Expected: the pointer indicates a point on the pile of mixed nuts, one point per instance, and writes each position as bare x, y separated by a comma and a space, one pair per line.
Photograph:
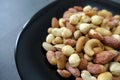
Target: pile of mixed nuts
85, 43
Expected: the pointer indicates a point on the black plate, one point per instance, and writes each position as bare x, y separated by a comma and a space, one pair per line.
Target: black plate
29, 54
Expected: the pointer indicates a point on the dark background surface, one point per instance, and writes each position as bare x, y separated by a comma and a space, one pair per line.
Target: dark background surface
13, 15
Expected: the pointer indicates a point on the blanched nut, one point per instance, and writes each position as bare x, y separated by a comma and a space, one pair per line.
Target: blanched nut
103, 31
61, 60
70, 42
87, 76
111, 41
92, 43
80, 43
51, 57
74, 71
66, 33
94, 34
64, 73
77, 34
116, 36
114, 68
117, 30
87, 8
74, 60
48, 47
85, 19
117, 17
62, 22
83, 64
105, 13
84, 27
104, 57
50, 30
88, 58
57, 40
56, 32
96, 68
74, 19
54, 22
68, 50
97, 20
49, 38
105, 76
70, 26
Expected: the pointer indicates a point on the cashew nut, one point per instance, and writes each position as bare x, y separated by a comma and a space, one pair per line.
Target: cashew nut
48, 47
92, 43
87, 76
80, 43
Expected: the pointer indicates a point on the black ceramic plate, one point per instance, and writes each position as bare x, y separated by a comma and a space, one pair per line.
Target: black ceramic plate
29, 54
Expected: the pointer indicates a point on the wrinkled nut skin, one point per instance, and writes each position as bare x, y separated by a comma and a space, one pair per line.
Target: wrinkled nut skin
78, 78
112, 42
105, 76
103, 57
83, 64
92, 43
71, 42
64, 73
96, 68
74, 71
54, 23
61, 60
80, 43
70, 26
51, 57
94, 34
115, 78
117, 58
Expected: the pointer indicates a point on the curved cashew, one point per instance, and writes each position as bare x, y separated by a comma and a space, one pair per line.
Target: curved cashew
80, 43
92, 43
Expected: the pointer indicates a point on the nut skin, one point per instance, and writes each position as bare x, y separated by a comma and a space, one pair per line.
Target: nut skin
61, 60
74, 71
117, 58
96, 68
112, 42
115, 78
80, 43
70, 26
103, 57
78, 8
71, 42
64, 73
94, 34
54, 23
83, 64
51, 57
66, 15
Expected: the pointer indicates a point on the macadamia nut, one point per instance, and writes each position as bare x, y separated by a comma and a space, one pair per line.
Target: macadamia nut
74, 60
56, 32
84, 28
49, 38
68, 50
74, 19
87, 8
97, 20
66, 33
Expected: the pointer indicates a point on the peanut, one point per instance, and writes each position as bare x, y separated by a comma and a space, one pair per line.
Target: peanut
83, 64
64, 73
54, 22
70, 42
